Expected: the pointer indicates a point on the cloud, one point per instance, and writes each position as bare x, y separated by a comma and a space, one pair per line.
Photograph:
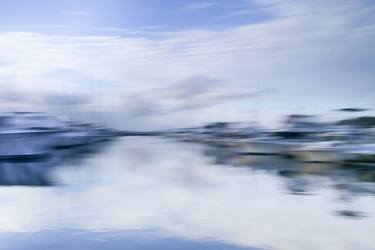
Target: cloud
200, 92
199, 5
191, 94
311, 53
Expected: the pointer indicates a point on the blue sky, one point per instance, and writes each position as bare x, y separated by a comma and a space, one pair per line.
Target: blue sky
71, 16
166, 63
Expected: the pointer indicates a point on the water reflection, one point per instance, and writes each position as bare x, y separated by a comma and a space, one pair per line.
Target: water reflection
193, 194
34, 171
78, 240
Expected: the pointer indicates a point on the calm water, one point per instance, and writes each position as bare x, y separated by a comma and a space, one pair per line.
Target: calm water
153, 193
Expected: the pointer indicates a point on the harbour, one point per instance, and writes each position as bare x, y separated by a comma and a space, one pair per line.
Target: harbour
152, 192
219, 186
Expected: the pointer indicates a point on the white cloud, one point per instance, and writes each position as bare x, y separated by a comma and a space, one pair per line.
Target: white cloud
199, 5
311, 53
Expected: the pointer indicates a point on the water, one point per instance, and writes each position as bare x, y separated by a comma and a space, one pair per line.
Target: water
154, 193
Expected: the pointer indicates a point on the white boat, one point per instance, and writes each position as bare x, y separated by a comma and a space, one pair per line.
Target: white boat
326, 151
298, 129
29, 134
263, 146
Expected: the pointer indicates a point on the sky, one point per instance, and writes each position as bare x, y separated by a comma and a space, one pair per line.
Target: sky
171, 63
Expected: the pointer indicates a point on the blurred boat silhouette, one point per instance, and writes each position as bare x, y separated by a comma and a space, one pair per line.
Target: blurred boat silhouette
343, 144
26, 143
34, 171
364, 153
298, 129
325, 151
32, 143
30, 135
263, 146
302, 137
79, 134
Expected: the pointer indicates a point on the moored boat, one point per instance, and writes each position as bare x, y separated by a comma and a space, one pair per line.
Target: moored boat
26, 143
263, 146
324, 151
28, 134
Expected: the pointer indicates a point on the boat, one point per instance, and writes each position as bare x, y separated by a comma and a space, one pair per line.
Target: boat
26, 143
325, 151
364, 153
29, 134
264, 146
75, 138
297, 130
345, 144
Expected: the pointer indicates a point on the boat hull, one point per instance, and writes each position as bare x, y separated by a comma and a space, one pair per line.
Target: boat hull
263, 147
73, 139
26, 144
321, 155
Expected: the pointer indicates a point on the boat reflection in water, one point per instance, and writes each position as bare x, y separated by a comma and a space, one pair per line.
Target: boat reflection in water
34, 170
158, 193
33, 143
